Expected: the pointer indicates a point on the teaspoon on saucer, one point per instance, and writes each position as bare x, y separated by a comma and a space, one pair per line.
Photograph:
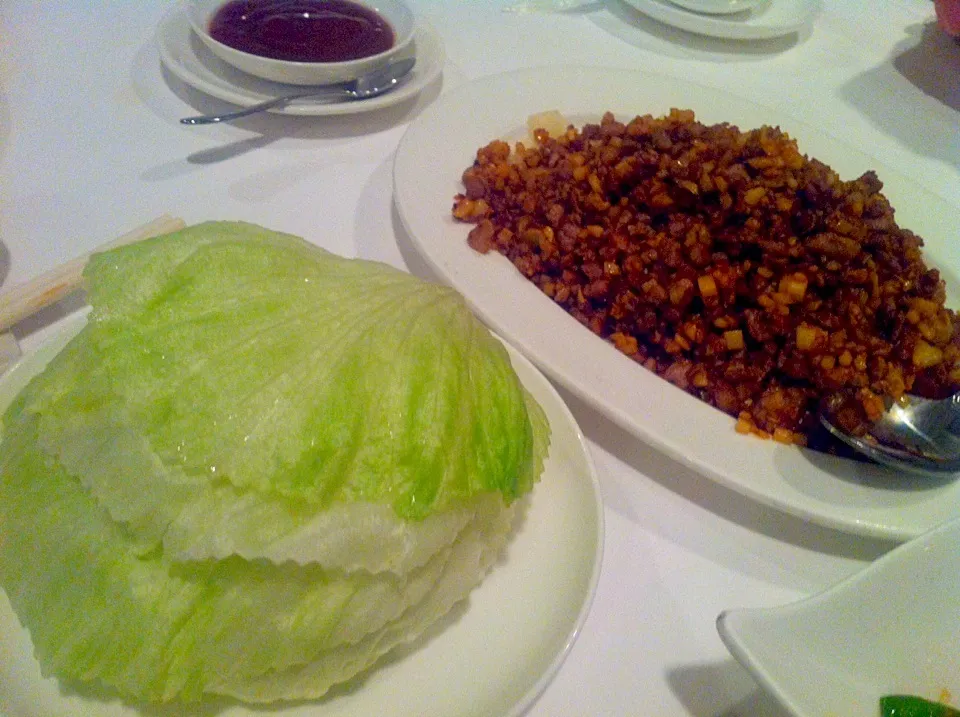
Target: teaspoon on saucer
372, 84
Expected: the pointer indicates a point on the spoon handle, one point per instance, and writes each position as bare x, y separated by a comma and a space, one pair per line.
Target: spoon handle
261, 107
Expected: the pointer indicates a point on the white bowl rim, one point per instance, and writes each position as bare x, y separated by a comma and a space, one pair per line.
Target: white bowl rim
401, 41
739, 627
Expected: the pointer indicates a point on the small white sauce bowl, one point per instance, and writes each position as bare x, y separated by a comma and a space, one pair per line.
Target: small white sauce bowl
396, 13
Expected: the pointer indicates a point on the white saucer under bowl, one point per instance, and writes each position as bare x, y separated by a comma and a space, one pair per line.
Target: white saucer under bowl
717, 7
186, 57
769, 19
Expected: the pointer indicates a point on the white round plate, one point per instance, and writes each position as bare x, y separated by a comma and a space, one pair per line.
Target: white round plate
772, 18
184, 55
443, 141
492, 657
891, 628
717, 7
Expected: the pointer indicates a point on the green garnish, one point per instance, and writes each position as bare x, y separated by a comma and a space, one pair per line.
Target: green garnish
913, 706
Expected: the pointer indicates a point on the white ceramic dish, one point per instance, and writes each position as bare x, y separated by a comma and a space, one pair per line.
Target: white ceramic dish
442, 142
9, 351
717, 7
889, 629
191, 61
494, 657
397, 14
773, 18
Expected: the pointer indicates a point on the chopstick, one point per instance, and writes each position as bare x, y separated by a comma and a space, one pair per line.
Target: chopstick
27, 299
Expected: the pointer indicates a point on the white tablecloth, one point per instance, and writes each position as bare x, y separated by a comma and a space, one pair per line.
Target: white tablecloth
90, 146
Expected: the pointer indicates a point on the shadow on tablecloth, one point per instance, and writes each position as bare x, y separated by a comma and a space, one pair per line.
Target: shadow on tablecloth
701, 687
4, 141
914, 95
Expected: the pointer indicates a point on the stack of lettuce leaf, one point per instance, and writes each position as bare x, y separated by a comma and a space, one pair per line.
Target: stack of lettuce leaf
257, 468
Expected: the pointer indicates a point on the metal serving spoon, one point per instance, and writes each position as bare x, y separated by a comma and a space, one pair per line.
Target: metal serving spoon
364, 87
918, 435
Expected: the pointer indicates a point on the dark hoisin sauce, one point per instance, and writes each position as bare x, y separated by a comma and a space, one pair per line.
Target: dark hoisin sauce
302, 30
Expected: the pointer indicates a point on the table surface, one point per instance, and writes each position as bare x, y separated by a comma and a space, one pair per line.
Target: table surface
90, 146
